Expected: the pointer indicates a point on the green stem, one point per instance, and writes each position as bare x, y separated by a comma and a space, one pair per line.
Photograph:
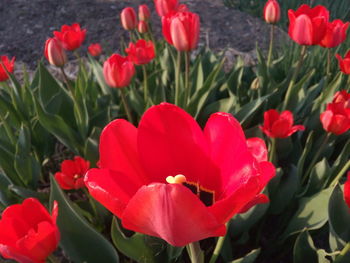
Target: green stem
348, 81
125, 104
195, 252
217, 249
8, 130
344, 251
272, 33
340, 174
187, 77
145, 85
53, 259
293, 79
177, 78
328, 72
67, 80
272, 152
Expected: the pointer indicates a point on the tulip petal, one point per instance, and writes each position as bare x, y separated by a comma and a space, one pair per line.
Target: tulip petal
258, 149
171, 212
11, 253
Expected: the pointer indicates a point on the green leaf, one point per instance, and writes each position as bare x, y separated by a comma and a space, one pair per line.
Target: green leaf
304, 249
98, 72
80, 241
249, 258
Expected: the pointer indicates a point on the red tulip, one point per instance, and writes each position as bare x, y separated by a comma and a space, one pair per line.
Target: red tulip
128, 18
181, 29
144, 13
170, 179
347, 190
142, 27
8, 65
142, 52
72, 173
279, 125
163, 7
71, 37
335, 34
118, 71
272, 12
336, 118
28, 233
308, 26
95, 49
55, 53
344, 63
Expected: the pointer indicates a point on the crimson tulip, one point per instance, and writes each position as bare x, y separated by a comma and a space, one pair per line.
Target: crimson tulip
181, 29
272, 12
163, 7
336, 118
71, 37
72, 173
335, 34
128, 18
347, 190
54, 52
308, 26
170, 179
142, 52
144, 13
279, 125
142, 27
95, 50
344, 63
7, 64
28, 233
118, 71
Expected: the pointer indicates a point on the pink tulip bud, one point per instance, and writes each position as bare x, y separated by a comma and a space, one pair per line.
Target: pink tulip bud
128, 18
55, 53
272, 12
142, 27
144, 13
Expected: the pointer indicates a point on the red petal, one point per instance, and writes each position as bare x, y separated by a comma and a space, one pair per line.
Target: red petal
259, 199
281, 128
171, 212
12, 253
258, 149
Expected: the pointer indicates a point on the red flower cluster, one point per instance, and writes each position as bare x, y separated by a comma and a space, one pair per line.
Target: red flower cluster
6, 65
279, 125
142, 52
129, 21
336, 118
168, 175
28, 233
72, 173
71, 37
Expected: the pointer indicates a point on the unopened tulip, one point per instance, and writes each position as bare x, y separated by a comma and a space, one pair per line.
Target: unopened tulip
71, 37
278, 125
163, 7
142, 27
28, 233
144, 13
9, 66
308, 26
95, 50
272, 12
142, 52
128, 18
347, 190
55, 53
344, 63
118, 71
181, 29
335, 34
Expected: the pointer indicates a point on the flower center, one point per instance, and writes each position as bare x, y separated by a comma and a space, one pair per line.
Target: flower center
205, 195
76, 176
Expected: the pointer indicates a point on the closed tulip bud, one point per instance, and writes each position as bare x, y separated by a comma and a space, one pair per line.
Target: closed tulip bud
181, 29
9, 66
144, 13
335, 34
142, 27
272, 12
308, 26
128, 18
71, 37
55, 53
118, 71
142, 52
163, 7
344, 63
95, 50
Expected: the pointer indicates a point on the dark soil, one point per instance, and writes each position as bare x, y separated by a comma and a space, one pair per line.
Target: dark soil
26, 24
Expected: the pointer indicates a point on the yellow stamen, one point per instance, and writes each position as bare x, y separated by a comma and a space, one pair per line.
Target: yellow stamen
178, 179
76, 176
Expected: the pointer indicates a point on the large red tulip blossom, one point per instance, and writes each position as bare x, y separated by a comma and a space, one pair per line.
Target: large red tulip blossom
141, 52
128, 18
181, 29
71, 37
170, 179
54, 52
344, 63
347, 190
118, 71
336, 118
335, 34
72, 173
278, 125
272, 12
6, 63
28, 233
308, 26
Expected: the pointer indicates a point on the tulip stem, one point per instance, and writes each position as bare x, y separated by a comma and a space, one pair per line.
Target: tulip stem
145, 85
66, 80
340, 174
328, 72
53, 259
344, 251
195, 252
272, 152
187, 77
177, 78
125, 104
272, 33
217, 249
294, 76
